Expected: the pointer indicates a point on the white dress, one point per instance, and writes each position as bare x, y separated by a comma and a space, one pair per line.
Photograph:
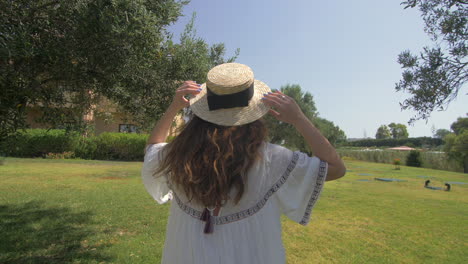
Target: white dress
282, 182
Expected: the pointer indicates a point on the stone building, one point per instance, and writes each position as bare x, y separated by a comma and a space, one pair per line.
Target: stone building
105, 116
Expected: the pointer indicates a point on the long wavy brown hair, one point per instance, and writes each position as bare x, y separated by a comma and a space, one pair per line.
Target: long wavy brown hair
207, 160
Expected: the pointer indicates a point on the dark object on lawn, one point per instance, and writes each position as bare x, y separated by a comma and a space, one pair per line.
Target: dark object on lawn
426, 185
389, 180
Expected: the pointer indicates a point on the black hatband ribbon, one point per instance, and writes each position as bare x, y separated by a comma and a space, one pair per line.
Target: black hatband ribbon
240, 99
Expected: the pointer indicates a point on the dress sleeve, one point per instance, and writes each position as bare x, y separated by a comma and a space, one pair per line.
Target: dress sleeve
302, 182
156, 185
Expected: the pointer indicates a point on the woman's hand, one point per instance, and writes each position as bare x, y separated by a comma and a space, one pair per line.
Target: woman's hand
161, 130
187, 88
285, 109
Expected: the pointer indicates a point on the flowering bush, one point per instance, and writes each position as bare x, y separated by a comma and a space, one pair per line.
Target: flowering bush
63, 155
397, 163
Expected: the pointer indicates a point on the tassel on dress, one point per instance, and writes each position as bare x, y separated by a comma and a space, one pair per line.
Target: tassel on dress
205, 215
209, 219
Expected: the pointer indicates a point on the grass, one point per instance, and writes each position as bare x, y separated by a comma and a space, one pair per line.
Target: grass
75, 211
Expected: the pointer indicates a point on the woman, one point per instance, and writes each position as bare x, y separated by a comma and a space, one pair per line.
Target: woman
228, 186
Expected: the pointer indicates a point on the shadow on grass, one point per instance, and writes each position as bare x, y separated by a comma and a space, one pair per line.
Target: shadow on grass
34, 233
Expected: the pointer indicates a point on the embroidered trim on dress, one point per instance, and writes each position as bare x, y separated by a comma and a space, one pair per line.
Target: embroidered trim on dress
316, 193
220, 220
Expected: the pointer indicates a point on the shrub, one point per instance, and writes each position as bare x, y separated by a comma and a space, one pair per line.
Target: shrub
39, 142
391, 142
414, 159
119, 146
86, 148
397, 163
112, 146
64, 155
58, 143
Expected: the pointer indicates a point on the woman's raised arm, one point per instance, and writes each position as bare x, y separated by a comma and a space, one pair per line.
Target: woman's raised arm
161, 129
287, 110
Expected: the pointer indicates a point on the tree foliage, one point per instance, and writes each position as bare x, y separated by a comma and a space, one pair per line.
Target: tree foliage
65, 56
414, 159
332, 132
398, 131
383, 132
425, 142
441, 133
456, 143
435, 77
287, 135
460, 125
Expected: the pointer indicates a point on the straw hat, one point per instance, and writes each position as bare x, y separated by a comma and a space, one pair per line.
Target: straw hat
231, 96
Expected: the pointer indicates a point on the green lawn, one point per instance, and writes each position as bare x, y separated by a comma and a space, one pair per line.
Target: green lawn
73, 211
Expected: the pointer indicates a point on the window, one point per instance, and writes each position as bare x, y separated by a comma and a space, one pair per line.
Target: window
128, 128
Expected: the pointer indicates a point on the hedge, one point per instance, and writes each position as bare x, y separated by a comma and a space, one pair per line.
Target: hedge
112, 146
39, 142
47, 143
411, 142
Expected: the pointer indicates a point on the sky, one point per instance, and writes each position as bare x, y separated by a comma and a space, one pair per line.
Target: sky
343, 52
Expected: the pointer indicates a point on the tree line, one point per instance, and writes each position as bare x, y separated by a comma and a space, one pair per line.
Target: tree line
453, 141
393, 130
419, 142
66, 56
456, 142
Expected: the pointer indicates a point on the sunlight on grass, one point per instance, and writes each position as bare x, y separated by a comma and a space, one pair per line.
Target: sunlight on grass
76, 211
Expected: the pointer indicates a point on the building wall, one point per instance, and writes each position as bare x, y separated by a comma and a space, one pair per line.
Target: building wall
31, 114
101, 123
